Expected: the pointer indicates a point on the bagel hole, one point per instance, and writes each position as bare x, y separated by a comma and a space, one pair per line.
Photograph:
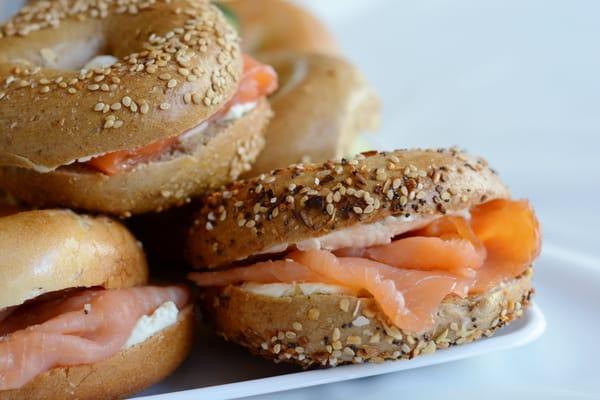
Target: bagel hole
76, 55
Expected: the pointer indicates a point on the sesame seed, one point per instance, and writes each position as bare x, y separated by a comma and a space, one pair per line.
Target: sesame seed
336, 334
353, 340
277, 348
172, 83
290, 335
297, 326
313, 314
118, 124
115, 106
126, 101
93, 87
72, 90
344, 305
361, 321
165, 106
99, 107
144, 108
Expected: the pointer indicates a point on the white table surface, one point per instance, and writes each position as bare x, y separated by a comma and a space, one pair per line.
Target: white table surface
517, 81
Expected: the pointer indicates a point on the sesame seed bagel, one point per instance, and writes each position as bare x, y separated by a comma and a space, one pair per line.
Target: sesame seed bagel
300, 202
53, 114
327, 101
206, 161
50, 250
279, 25
123, 374
335, 329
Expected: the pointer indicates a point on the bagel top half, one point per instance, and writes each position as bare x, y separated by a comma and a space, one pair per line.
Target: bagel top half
51, 250
53, 114
287, 206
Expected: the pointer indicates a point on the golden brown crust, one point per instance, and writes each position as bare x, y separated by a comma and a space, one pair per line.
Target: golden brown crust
276, 25
154, 186
51, 250
165, 50
306, 201
328, 103
329, 330
126, 373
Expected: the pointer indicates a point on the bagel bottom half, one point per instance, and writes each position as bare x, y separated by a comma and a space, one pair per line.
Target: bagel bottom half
331, 329
125, 373
214, 158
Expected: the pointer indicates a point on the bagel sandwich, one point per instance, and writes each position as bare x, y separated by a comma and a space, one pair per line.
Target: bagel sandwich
126, 108
77, 319
385, 256
323, 96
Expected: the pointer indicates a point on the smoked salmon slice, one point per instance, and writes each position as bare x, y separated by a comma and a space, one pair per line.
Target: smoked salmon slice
258, 80
263, 272
87, 327
408, 297
430, 253
411, 276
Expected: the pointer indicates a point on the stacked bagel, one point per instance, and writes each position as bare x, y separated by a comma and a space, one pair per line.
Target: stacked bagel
220, 133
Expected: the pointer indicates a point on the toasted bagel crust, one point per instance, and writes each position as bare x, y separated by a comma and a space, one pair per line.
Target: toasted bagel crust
329, 330
125, 373
305, 201
165, 50
154, 186
51, 250
328, 103
278, 25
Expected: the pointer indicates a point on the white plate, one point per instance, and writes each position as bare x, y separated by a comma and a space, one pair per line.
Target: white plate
217, 370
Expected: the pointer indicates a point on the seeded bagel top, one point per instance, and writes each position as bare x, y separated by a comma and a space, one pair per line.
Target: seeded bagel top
311, 200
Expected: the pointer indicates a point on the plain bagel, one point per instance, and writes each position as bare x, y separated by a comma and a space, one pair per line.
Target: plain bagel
323, 102
279, 25
175, 72
107, 255
66, 281
122, 375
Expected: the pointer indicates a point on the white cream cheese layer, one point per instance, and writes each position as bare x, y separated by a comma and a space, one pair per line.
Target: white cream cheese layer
102, 61
238, 111
293, 289
148, 325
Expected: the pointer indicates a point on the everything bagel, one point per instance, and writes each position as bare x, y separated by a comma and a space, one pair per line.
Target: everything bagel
384, 256
175, 70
